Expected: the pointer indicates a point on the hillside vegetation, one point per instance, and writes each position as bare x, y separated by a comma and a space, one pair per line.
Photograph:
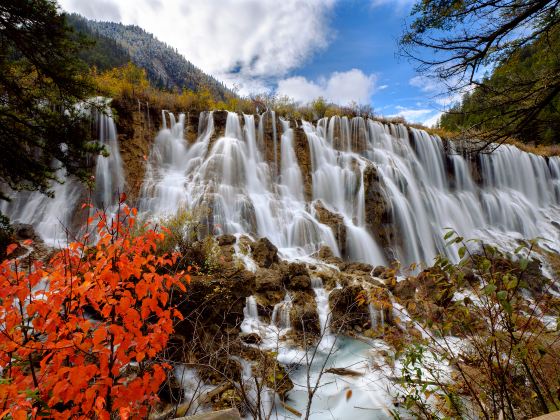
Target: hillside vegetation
507, 95
116, 44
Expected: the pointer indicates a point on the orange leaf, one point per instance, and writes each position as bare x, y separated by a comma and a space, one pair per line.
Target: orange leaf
11, 248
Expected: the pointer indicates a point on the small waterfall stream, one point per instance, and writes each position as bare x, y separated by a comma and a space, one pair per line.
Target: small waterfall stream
281, 313
55, 219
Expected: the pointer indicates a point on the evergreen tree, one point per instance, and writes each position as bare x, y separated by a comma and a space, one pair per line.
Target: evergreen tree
41, 80
455, 41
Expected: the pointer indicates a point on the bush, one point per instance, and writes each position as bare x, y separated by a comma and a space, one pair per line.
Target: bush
80, 335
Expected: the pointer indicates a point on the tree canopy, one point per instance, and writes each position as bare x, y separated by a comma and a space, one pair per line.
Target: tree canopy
459, 41
41, 81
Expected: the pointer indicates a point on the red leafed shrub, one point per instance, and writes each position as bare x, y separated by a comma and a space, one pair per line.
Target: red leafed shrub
80, 335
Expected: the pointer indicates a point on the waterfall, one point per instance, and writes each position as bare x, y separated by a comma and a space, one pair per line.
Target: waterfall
236, 184
57, 220
337, 178
428, 186
518, 196
281, 313
251, 321
109, 176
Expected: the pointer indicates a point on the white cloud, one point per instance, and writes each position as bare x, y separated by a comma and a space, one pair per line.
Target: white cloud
340, 87
426, 84
412, 114
441, 94
234, 40
97, 10
399, 5
433, 120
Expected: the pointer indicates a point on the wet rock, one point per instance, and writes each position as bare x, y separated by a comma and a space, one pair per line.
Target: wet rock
347, 313
136, 133
297, 277
405, 289
303, 315
264, 252
23, 231
378, 271
303, 155
215, 301
226, 240
357, 267
215, 370
379, 215
250, 338
267, 279
333, 220
302, 282
267, 370
326, 254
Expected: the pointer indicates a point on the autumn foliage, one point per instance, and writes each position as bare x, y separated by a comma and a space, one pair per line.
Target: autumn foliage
80, 335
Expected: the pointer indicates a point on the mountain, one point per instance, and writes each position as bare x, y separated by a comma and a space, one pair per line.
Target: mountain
116, 44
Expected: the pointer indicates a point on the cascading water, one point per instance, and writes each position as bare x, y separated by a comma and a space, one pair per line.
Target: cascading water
518, 196
109, 176
428, 188
230, 184
281, 313
234, 184
55, 219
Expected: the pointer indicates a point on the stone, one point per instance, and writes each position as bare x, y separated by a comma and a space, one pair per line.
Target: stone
358, 267
345, 309
405, 289
264, 253
226, 240
24, 231
267, 279
303, 315
333, 220
250, 338
300, 282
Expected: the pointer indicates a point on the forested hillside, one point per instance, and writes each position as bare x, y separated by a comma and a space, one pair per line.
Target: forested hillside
506, 96
165, 67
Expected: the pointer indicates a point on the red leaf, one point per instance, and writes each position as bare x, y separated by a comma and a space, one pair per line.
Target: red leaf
11, 248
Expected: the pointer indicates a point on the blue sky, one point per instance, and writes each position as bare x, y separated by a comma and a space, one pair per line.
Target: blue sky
366, 37
344, 50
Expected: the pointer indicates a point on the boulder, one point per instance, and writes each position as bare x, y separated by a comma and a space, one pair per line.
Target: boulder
303, 315
333, 220
347, 313
226, 240
23, 231
268, 279
215, 301
264, 252
296, 277
357, 267
405, 289
266, 368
